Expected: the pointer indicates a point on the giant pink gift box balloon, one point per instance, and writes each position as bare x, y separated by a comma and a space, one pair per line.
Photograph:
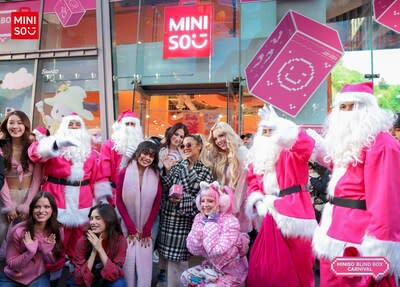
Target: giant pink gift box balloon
69, 12
292, 63
387, 13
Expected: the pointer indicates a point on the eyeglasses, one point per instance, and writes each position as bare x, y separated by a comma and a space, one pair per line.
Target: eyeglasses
188, 145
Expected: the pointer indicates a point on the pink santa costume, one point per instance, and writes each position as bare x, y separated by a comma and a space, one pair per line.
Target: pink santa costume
127, 134
362, 216
218, 239
277, 191
138, 207
69, 173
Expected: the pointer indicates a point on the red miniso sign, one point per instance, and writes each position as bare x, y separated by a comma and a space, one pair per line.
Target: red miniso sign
187, 31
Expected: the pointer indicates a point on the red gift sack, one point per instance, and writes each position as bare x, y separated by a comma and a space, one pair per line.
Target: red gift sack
270, 263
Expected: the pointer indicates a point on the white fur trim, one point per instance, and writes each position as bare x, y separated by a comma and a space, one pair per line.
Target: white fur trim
294, 227
319, 151
72, 215
337, 174
77, 172
372, 246
251, 203
287, 133
355, 97
324, 245
46, 149
102, 190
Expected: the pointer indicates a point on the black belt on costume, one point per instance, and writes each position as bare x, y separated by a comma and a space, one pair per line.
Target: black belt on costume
350, 203
63, 181
289, 190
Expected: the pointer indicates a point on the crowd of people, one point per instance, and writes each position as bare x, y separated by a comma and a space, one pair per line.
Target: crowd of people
244, 204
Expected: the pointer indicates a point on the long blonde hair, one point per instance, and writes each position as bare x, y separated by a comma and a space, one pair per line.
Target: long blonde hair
219, 159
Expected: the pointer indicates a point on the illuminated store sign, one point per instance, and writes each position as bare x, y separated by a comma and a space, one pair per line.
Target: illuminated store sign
187, 31
25, 24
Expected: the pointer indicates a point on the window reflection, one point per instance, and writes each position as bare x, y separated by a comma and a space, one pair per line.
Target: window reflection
67, 86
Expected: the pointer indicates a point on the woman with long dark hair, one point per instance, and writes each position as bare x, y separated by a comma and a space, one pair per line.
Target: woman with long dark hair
22, 177
100, 254
138, 199
32, 244
169, 155
169, 152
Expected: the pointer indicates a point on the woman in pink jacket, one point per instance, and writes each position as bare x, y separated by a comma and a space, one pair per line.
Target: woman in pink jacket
21, 176
33, 245
216, 236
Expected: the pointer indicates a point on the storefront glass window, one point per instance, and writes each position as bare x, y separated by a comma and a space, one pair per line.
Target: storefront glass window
61, 29
67, 86
17, 78
138, 30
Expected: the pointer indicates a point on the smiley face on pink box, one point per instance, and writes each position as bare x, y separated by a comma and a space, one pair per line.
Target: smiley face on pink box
292, 63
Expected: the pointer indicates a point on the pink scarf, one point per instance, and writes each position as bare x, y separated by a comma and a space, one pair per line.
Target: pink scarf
139, 199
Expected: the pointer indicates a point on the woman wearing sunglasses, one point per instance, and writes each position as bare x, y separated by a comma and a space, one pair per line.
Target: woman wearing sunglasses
178, 206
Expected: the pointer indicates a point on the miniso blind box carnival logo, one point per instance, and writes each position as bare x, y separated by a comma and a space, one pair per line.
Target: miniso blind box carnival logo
187, 31
25, 24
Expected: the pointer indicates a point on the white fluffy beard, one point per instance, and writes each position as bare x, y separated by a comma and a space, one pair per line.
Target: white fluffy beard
77, 153
350, 131
126, 136
264, 155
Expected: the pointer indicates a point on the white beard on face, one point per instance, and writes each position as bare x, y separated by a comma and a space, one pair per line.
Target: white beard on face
77, 153
126, 136
350, 131
264, 153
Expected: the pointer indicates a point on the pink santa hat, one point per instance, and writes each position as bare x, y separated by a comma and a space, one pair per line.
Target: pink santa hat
40, 132
360, 93
128, 116
223, 197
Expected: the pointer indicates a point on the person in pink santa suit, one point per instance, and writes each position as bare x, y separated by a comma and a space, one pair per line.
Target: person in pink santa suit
362, 215
69, 167
216, 236
277, 176
114, 154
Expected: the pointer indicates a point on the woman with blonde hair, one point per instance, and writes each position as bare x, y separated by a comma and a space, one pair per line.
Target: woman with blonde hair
227, 158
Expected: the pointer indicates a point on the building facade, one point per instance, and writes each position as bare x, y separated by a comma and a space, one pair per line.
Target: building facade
97, 58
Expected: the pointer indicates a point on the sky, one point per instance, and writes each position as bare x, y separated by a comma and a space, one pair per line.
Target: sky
384, 63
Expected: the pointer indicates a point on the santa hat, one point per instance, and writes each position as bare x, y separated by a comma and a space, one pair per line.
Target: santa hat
223, 197
128, 116
40, 132
361, 93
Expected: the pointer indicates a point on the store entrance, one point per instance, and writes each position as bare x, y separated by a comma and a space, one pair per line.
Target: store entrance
199, 107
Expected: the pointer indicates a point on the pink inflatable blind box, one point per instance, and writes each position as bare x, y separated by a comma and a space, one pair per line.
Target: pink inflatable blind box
69, 12
387, 13
293, 61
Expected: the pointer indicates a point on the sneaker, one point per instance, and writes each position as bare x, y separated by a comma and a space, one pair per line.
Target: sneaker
156, 257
